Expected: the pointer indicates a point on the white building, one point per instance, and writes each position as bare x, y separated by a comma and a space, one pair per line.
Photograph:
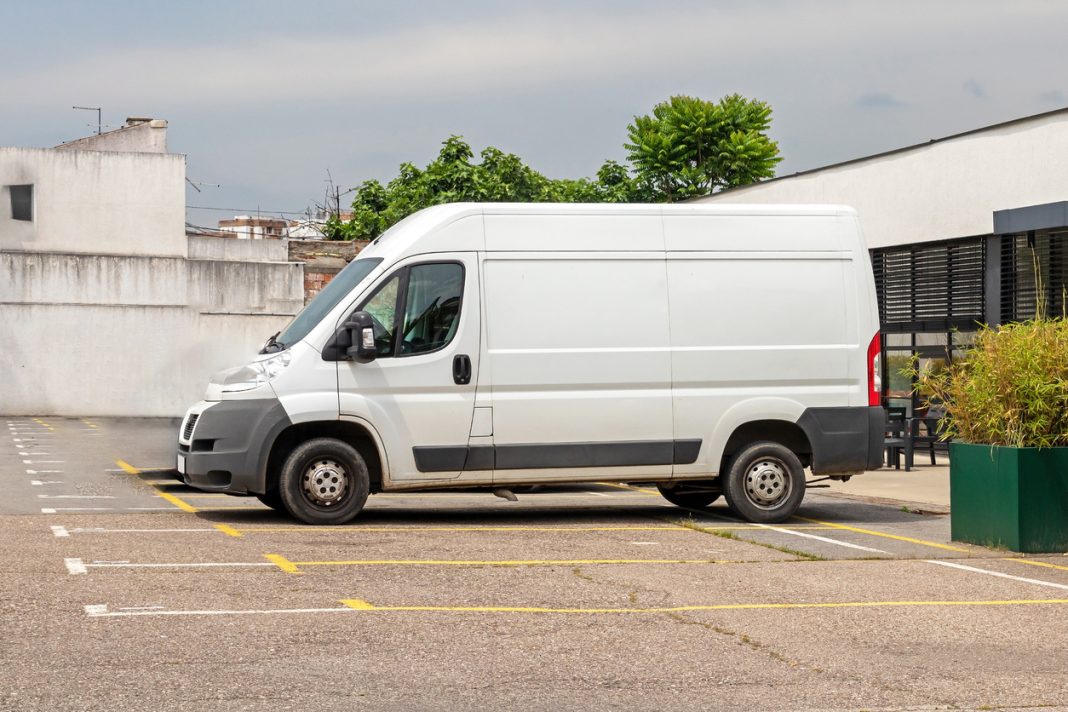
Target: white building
955, 226
106, 307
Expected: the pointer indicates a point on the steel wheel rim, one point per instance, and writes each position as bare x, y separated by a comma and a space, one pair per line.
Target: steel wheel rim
767, 483
325, 482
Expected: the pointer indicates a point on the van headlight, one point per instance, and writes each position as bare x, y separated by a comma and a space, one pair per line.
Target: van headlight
257, 373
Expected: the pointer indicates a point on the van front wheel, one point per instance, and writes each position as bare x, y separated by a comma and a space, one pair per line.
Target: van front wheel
324, 481
765, 483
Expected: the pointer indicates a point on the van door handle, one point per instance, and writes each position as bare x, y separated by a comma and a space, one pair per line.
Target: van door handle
461, 369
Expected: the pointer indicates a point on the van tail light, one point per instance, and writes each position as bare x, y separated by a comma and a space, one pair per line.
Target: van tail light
874, 361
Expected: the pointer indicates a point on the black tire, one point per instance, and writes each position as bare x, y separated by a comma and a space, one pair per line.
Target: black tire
692, 495
765, 483
273, 500
324, 481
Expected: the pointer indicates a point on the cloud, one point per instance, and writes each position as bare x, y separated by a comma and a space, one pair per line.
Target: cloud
975, 89
878, 100
1053, 96
539, 49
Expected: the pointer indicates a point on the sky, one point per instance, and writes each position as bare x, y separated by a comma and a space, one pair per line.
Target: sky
269, 99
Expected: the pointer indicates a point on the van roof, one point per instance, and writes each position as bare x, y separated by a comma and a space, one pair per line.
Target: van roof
458, 209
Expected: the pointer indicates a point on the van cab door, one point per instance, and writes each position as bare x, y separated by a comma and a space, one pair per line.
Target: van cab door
419, 391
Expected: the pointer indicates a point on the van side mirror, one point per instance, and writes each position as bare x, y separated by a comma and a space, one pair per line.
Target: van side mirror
362, 334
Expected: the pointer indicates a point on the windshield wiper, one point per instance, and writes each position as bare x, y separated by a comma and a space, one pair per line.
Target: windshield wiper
272, 344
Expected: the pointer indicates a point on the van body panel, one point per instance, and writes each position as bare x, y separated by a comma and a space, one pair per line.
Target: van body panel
577, 350
604, 342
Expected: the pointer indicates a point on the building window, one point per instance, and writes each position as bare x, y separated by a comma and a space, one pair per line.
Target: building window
21, 202
1034, 273
931, 299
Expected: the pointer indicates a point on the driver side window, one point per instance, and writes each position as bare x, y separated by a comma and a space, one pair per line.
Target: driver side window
429, 296
382, 307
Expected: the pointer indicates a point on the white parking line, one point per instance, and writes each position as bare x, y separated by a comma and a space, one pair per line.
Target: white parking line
44, 472
44, 462
38, 483
100, 610
75, 496
27, 454
59, 531
53, 510
75, 566
997, 573
193, 565
95, 530
821, 538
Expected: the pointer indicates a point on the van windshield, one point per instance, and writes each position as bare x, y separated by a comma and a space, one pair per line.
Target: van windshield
345, 281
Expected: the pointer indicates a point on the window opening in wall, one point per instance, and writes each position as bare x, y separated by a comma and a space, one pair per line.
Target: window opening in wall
21, 202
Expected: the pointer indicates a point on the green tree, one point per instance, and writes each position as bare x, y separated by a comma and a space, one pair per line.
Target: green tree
687, 148
690, 147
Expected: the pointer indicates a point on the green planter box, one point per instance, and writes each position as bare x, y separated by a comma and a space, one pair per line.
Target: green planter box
1012, 498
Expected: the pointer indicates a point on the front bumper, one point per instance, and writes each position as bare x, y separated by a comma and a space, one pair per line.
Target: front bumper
223, 446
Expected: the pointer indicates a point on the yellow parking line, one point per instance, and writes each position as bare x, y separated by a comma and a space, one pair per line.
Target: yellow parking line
283, 563
356, 528
1037, 563
184, 506
127, 467
884, 535
228, 530
180, 504
41, 422
361, 605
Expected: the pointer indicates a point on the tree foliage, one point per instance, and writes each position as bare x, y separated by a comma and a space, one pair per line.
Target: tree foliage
687, 148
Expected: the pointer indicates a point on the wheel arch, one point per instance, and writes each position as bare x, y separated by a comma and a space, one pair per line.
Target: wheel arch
758, 419
358, 434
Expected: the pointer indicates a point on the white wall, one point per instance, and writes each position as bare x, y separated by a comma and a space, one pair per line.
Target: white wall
101, 310
937, 191
95, 202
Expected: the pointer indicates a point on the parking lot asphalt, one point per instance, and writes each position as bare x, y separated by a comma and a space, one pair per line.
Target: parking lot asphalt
126, 590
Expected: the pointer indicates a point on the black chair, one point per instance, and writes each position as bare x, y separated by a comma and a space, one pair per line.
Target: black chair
896, 439
928, 432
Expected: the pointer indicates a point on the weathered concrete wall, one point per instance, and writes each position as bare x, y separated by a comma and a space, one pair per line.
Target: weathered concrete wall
118, 360
245, 287
101, 310
95, 202
145, 136
228, 248
131, 335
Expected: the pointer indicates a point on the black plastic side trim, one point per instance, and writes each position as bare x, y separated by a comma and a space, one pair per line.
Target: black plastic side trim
440, 459
544, 456
847, 439
686, 452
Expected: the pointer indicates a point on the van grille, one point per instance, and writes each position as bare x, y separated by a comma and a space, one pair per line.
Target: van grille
189, 425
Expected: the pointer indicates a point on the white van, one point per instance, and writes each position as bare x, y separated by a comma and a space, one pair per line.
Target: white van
709, 349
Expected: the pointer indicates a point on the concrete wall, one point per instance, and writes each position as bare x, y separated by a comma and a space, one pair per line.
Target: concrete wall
105, 308
95, 202
140, 135
941, 190
131, 335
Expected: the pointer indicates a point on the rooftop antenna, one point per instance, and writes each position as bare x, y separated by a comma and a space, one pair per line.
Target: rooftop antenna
92, 108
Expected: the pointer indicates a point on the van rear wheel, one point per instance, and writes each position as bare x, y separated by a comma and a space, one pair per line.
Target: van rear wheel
324, 481
695, 495
272, 499
765, 483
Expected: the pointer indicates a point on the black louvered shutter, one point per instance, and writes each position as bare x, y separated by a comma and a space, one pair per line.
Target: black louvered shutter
933, 287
